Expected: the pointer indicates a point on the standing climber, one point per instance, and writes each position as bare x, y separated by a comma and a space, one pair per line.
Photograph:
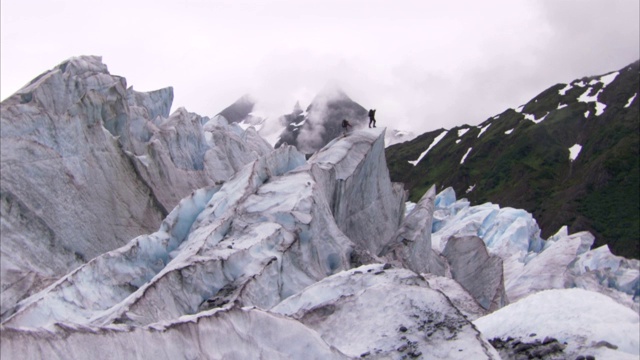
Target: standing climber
345, 126
372, 117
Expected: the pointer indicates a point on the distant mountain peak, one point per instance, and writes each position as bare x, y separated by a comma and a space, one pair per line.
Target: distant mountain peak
239, 110
297, 109
331, 92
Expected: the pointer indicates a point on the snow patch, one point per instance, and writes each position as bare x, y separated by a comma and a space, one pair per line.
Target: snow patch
564, 90
600, 108
462, 132
608, 79
586, 98
509, 131
631, 100
574, 151
465, 156
435, 141
482, 130
533, 118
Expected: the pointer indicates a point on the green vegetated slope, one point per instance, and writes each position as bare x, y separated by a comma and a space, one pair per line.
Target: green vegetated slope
521, 159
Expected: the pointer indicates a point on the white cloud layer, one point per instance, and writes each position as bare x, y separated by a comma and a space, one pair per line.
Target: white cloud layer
422, 64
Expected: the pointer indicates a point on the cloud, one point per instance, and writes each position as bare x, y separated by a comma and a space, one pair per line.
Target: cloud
424, 65
590, 36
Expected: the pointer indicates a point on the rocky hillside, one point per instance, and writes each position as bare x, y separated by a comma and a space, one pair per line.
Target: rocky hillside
569, 156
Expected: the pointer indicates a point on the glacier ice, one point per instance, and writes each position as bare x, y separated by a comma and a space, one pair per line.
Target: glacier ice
411, 246
396, 313
260, 237
478, 272
532, 264
458, 295
90, 164
265, 254
246, 333
588, 322
375, 206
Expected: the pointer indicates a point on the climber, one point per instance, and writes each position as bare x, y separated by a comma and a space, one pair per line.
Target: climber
372, 117
345, 126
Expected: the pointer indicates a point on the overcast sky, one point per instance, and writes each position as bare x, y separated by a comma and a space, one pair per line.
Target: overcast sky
423, 64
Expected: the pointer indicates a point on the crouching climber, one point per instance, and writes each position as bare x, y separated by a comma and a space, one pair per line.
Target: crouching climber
345, 127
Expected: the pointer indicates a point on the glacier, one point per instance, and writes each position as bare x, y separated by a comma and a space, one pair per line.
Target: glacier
532, 264
396, 313
260, 238
88, 164
229, 248
220, 334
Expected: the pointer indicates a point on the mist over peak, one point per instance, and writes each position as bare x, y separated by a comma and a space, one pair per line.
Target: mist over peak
331, 92
321, 123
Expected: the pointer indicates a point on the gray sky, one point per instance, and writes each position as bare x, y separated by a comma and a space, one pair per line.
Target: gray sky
422, 64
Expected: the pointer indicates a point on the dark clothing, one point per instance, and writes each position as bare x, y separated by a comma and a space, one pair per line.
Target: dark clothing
372, 117
345, 126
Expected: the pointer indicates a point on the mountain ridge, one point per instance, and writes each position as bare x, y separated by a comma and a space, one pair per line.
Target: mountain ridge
521, 158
